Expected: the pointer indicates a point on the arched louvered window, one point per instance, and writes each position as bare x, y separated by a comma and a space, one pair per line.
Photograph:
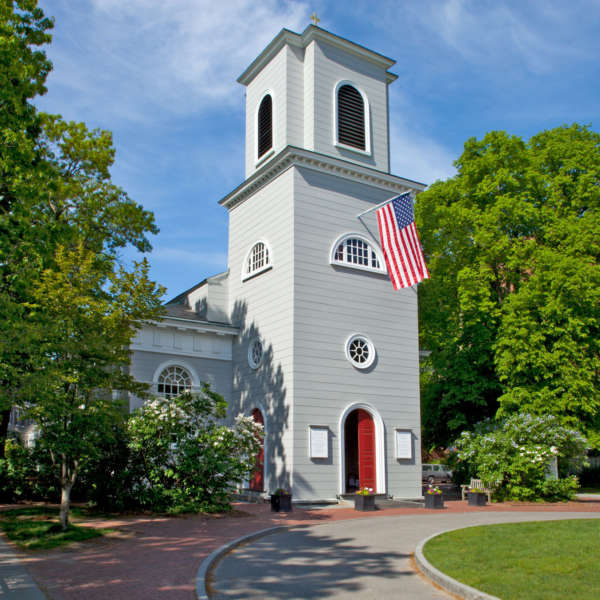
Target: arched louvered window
265, 125
351, 117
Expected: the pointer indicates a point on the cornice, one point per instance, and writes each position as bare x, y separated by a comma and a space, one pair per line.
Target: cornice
191, 324
312, 32
293, 156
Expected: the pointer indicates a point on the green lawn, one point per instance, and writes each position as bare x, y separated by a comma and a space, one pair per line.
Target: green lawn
524, 561
38, 528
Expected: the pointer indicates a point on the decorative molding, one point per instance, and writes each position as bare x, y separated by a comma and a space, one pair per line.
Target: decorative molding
312, 32
293, 156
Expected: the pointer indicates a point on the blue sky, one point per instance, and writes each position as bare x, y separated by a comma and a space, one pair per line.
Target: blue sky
161, 75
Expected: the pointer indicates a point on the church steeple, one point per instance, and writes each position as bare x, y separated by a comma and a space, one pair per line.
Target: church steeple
319, 92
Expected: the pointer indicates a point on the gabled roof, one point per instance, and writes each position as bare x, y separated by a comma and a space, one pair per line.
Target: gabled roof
312, 32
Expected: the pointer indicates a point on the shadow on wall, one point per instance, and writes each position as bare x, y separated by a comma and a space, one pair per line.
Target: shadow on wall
261, 388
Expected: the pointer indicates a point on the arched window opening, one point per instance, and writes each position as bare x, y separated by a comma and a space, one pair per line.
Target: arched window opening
173, 381
351, 117
265, 125
357, 252
257, 260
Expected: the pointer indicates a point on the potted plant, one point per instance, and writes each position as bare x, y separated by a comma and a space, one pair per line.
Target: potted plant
281, 500
476, 497
364, 499
433, 497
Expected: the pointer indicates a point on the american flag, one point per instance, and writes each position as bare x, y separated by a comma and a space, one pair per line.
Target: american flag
400, 242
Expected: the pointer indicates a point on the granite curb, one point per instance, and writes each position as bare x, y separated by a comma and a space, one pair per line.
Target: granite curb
213, 557
448, 583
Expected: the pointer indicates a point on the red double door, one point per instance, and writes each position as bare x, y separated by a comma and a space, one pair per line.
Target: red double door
366, 450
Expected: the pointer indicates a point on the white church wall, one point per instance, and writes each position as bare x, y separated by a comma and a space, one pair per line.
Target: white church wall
217, 308
262, 306
330, 304
332, 65
145, 367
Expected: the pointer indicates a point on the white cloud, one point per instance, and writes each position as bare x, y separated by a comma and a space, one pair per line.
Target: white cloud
490, 34
137, 56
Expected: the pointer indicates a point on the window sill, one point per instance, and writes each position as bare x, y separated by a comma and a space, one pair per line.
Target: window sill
248, 276
352, 148
264, 158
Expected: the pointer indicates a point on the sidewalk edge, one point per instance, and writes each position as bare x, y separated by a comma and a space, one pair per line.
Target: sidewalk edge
448, 583
213, 557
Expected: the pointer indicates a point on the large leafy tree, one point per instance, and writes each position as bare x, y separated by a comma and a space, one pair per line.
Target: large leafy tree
23, 71
68, 306
511, 313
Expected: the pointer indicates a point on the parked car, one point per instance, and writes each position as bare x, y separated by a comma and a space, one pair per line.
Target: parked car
436, 473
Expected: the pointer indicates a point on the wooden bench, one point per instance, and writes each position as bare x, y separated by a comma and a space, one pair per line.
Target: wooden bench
476, 484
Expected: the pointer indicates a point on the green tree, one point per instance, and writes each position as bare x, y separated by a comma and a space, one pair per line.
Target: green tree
23, 71
511, 312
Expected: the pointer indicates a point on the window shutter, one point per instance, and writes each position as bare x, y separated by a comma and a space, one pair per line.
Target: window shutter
351, 117
265, 125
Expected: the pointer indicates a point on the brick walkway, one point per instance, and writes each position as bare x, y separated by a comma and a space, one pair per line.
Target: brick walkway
157, 558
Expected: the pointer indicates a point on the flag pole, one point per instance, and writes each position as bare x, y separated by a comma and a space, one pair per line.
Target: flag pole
362, 214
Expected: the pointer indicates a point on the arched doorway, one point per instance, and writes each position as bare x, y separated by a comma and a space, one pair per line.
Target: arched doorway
257, 482
359, 451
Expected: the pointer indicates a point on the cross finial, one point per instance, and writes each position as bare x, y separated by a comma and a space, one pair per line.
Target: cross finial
314, 18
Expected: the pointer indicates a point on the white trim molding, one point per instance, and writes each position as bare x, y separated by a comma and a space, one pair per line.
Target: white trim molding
343, 263
367, 116
379, 446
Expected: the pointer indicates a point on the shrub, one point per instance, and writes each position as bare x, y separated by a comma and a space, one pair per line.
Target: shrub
189, 460
512, 456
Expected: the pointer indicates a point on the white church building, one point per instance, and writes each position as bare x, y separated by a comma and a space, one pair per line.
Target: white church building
304, 331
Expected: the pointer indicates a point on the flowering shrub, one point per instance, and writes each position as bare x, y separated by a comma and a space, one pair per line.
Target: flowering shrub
365, 491
512, 456
433, 490
189, 460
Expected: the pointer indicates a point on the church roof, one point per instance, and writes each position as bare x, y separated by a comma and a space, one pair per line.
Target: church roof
312, 32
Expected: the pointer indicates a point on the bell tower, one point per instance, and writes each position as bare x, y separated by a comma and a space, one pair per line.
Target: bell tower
327, 354
318, 92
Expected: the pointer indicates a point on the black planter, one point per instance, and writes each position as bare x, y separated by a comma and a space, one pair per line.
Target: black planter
364, 502
281, 503
476, 499
434, 501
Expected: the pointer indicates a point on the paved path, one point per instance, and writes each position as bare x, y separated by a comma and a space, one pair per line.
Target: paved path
158, 558
15, 582
366, 559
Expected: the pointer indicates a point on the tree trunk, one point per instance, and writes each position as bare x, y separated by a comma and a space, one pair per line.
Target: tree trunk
65, 504
4, 431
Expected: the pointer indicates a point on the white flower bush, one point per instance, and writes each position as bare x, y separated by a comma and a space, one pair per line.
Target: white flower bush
512, 456
190, 461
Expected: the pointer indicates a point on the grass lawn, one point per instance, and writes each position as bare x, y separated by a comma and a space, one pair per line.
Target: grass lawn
524, 561
38, 528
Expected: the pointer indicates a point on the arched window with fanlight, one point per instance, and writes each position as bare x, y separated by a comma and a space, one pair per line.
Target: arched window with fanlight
265, 126
173, 381
351, 117
355, 251
258, 259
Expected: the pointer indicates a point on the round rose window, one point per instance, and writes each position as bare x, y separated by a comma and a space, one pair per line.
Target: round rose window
360, 351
